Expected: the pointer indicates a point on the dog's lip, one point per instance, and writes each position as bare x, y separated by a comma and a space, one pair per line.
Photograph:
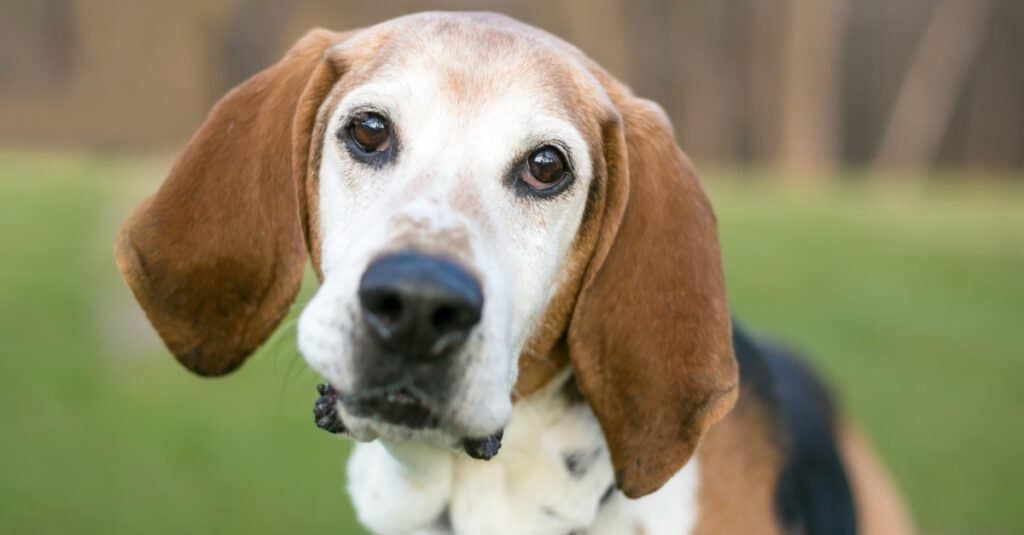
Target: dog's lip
400, 405
483, 449
402, 394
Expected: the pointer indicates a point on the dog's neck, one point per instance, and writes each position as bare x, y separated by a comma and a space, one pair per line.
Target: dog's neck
553, 475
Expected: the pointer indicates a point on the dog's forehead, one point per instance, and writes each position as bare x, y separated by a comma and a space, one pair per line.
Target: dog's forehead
474, 64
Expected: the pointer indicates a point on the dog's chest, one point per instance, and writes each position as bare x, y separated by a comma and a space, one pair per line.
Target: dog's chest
552, 476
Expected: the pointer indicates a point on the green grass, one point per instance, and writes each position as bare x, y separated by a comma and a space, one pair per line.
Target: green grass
909, 299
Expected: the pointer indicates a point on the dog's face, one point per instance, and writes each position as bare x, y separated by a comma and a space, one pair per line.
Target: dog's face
484, 206
452, 183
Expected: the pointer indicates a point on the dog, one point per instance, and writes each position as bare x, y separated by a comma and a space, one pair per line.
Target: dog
521, 319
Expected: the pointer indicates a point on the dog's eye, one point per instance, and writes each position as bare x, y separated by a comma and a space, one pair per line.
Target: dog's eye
371, 132
545, 168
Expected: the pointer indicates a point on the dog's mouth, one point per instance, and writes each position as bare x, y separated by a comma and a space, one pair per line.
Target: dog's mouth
399, 406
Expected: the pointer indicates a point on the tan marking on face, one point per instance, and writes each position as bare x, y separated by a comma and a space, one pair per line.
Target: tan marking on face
451, 243
311, 185
463, 80
353, 76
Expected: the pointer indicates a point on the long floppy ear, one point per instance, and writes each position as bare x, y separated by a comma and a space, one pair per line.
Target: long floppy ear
216, 256
650, 337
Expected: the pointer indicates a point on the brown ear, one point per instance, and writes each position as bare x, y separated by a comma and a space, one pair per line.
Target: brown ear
650, 338
216, 256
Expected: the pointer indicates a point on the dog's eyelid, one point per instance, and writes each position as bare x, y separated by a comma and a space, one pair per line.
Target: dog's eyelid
357, 111
360, 110
562, 146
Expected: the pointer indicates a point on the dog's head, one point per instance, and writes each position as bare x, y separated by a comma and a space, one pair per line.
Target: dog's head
483, 206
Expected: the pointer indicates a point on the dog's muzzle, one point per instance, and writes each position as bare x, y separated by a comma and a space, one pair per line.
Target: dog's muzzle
417, 312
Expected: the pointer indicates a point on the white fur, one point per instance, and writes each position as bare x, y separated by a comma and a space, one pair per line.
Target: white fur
672, 509
403, 488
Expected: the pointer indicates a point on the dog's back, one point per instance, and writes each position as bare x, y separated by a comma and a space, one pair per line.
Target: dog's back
829, 481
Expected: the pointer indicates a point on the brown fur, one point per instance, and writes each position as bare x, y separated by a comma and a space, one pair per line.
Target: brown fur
216, 256
880, 508
739, 467
650, 338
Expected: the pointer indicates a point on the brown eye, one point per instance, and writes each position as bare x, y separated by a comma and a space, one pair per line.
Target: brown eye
371, 133
545, 168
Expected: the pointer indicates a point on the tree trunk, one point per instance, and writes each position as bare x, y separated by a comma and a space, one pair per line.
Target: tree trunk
809, 130
931, 88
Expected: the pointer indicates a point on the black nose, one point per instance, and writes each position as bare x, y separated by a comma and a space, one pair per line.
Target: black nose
419, 306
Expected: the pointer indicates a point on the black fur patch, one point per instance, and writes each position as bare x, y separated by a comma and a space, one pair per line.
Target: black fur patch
443, 521
577, 463
813, 493
572, 393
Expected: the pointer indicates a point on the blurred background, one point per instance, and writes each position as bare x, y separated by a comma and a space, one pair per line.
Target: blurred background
865, 159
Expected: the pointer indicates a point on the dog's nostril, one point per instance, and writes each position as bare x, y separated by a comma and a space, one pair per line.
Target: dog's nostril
386, 306
443, 318
448, 318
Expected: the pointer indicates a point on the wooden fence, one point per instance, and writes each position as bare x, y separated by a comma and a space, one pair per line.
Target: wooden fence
800, 84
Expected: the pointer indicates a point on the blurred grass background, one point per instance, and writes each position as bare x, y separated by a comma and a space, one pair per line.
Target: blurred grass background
908, 294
